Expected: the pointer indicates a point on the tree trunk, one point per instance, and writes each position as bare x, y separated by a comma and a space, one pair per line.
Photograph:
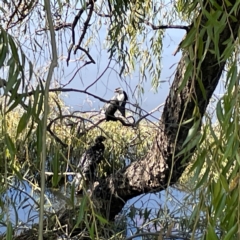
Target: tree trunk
183, 108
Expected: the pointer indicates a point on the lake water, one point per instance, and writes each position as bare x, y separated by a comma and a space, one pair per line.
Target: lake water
165, 206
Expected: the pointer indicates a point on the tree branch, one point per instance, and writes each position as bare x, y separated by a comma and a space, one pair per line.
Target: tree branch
56, 27
165, 162
75, 21
164, 26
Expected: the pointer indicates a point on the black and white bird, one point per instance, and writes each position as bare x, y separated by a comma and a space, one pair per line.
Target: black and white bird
87, 165
117, 102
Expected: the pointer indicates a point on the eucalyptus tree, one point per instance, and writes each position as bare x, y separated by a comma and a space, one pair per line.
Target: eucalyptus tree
134, 40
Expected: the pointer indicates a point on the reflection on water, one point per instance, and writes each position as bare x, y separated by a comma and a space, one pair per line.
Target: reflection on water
21, 203
150, 213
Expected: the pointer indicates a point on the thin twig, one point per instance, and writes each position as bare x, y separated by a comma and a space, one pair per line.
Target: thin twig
149, 113
99, 76
86, 63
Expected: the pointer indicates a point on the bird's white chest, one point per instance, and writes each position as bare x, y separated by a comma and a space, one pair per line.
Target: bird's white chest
120, 98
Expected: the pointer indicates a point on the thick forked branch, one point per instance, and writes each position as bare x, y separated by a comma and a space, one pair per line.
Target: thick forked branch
163, 165
86, 25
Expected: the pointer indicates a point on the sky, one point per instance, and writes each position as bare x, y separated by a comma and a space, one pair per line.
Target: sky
106, 85
104, 88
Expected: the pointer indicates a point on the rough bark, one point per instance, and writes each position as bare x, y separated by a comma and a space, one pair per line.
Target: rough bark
161, 168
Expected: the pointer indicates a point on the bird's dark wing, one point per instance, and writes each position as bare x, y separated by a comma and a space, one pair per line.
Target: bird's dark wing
106, 105
122, 108
90, 159
125, 96
88, 165
110, 110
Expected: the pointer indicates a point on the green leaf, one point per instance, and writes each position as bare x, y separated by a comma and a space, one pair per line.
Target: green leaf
211, 235
192, 132
190, 145
9, 231
101, 219
23, 122
229, 4
198, 164
187, 75
220, 206
189, 38
238, 158
229, 146
224, 183
220, 112
82, 210
230, 234
12, 79
3, 53
30, 69
56, 164
203, 179
15, 104
14, 49
13, 206
91, 230
200, 83
39, 138
216, 189
40, 101
10, 144
200, 48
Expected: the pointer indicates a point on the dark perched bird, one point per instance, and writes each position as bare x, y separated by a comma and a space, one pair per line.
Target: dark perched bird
117, 102
87, 165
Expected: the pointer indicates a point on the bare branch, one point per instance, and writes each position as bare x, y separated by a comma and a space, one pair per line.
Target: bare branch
87, 53
149, 113
57, 27
164, 26
55, 136
86, 24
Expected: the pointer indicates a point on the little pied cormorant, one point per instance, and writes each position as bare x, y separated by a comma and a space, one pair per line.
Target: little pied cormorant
117, 102
87, 165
